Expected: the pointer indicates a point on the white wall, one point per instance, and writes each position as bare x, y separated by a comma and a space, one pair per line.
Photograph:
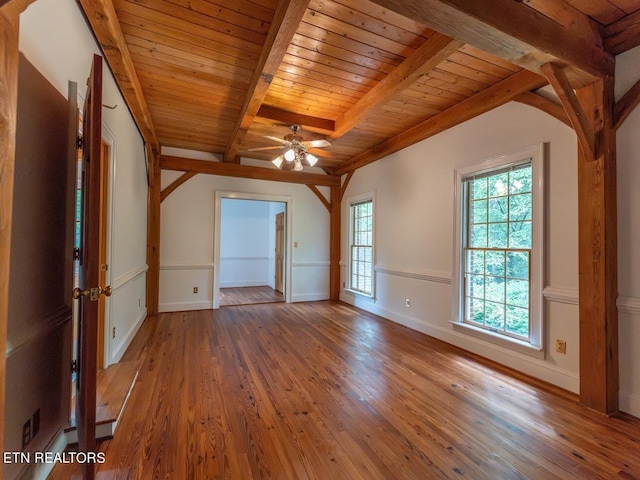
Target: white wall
187, 239
244, 243
627, 73
414, 233
414, 215
55, 38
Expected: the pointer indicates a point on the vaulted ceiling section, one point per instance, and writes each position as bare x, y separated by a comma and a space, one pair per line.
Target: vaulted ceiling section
372, 77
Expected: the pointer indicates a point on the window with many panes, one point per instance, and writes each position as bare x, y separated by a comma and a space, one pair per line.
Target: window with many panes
498, 250
361, 246
499, 240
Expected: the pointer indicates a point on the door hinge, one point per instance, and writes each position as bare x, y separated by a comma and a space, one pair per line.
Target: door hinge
76, 254
79, 142
74, 366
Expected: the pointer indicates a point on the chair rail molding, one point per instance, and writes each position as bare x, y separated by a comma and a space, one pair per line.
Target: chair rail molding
130, 275
561, 295
418, 274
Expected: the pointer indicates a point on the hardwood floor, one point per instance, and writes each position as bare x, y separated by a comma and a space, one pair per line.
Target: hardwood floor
249, 296
324, 391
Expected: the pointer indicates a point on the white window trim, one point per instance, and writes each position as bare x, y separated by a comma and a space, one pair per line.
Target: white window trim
536, 154
350, 201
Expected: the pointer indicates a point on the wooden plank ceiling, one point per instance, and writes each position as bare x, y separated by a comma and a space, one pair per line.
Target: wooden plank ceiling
222, 75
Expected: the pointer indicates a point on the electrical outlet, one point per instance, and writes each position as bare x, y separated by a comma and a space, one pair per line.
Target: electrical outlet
407, 302
195, 289
26, 434
113, 335
139, 303
343, 284
561, 346
295, 244
35, 423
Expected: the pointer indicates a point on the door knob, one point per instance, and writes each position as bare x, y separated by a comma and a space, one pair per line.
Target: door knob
92, 293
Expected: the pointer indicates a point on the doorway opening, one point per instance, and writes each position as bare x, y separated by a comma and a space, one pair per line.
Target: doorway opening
252, 249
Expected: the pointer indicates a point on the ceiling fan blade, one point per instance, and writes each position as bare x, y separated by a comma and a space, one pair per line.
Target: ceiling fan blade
321, 153
260, 149
276, 139
317, 143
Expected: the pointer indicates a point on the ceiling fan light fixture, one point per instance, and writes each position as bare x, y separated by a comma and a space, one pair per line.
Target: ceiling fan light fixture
277, 161
296, 150
311, 159
290, 155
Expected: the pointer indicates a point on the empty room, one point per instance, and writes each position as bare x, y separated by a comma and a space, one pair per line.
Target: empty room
319, 239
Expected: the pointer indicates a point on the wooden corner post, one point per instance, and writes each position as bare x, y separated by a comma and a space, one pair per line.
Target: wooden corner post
153, 231
598, 255
334, 242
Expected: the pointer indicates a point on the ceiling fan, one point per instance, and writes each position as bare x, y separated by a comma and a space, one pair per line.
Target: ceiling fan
295, 146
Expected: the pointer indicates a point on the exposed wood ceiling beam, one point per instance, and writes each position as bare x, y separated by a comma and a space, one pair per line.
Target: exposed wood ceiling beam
573, 108
626, 105
564, 13
175, 184
623, 35
307, 122
513, 31
245, 171
102, 17
287, 17
482, 102
12, 8
345, 184
424, 59
544, 104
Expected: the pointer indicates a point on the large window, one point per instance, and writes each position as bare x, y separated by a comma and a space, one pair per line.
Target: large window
499, 287
361, 245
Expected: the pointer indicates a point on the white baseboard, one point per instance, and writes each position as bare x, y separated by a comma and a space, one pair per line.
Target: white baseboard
40, 471
310, 297
629, 403
128, 337
520, 362
184, 306
103, 430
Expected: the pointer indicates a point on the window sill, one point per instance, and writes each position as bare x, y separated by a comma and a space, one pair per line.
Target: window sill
358, 293
501, 340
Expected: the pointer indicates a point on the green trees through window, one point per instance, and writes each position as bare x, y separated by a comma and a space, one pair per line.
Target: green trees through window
361, 234
497, 260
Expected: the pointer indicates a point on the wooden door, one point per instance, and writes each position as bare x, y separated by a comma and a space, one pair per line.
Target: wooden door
89, 271
280, 252
104, 198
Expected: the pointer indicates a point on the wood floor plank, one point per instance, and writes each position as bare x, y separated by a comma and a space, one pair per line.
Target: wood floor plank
249, 295
321, 390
